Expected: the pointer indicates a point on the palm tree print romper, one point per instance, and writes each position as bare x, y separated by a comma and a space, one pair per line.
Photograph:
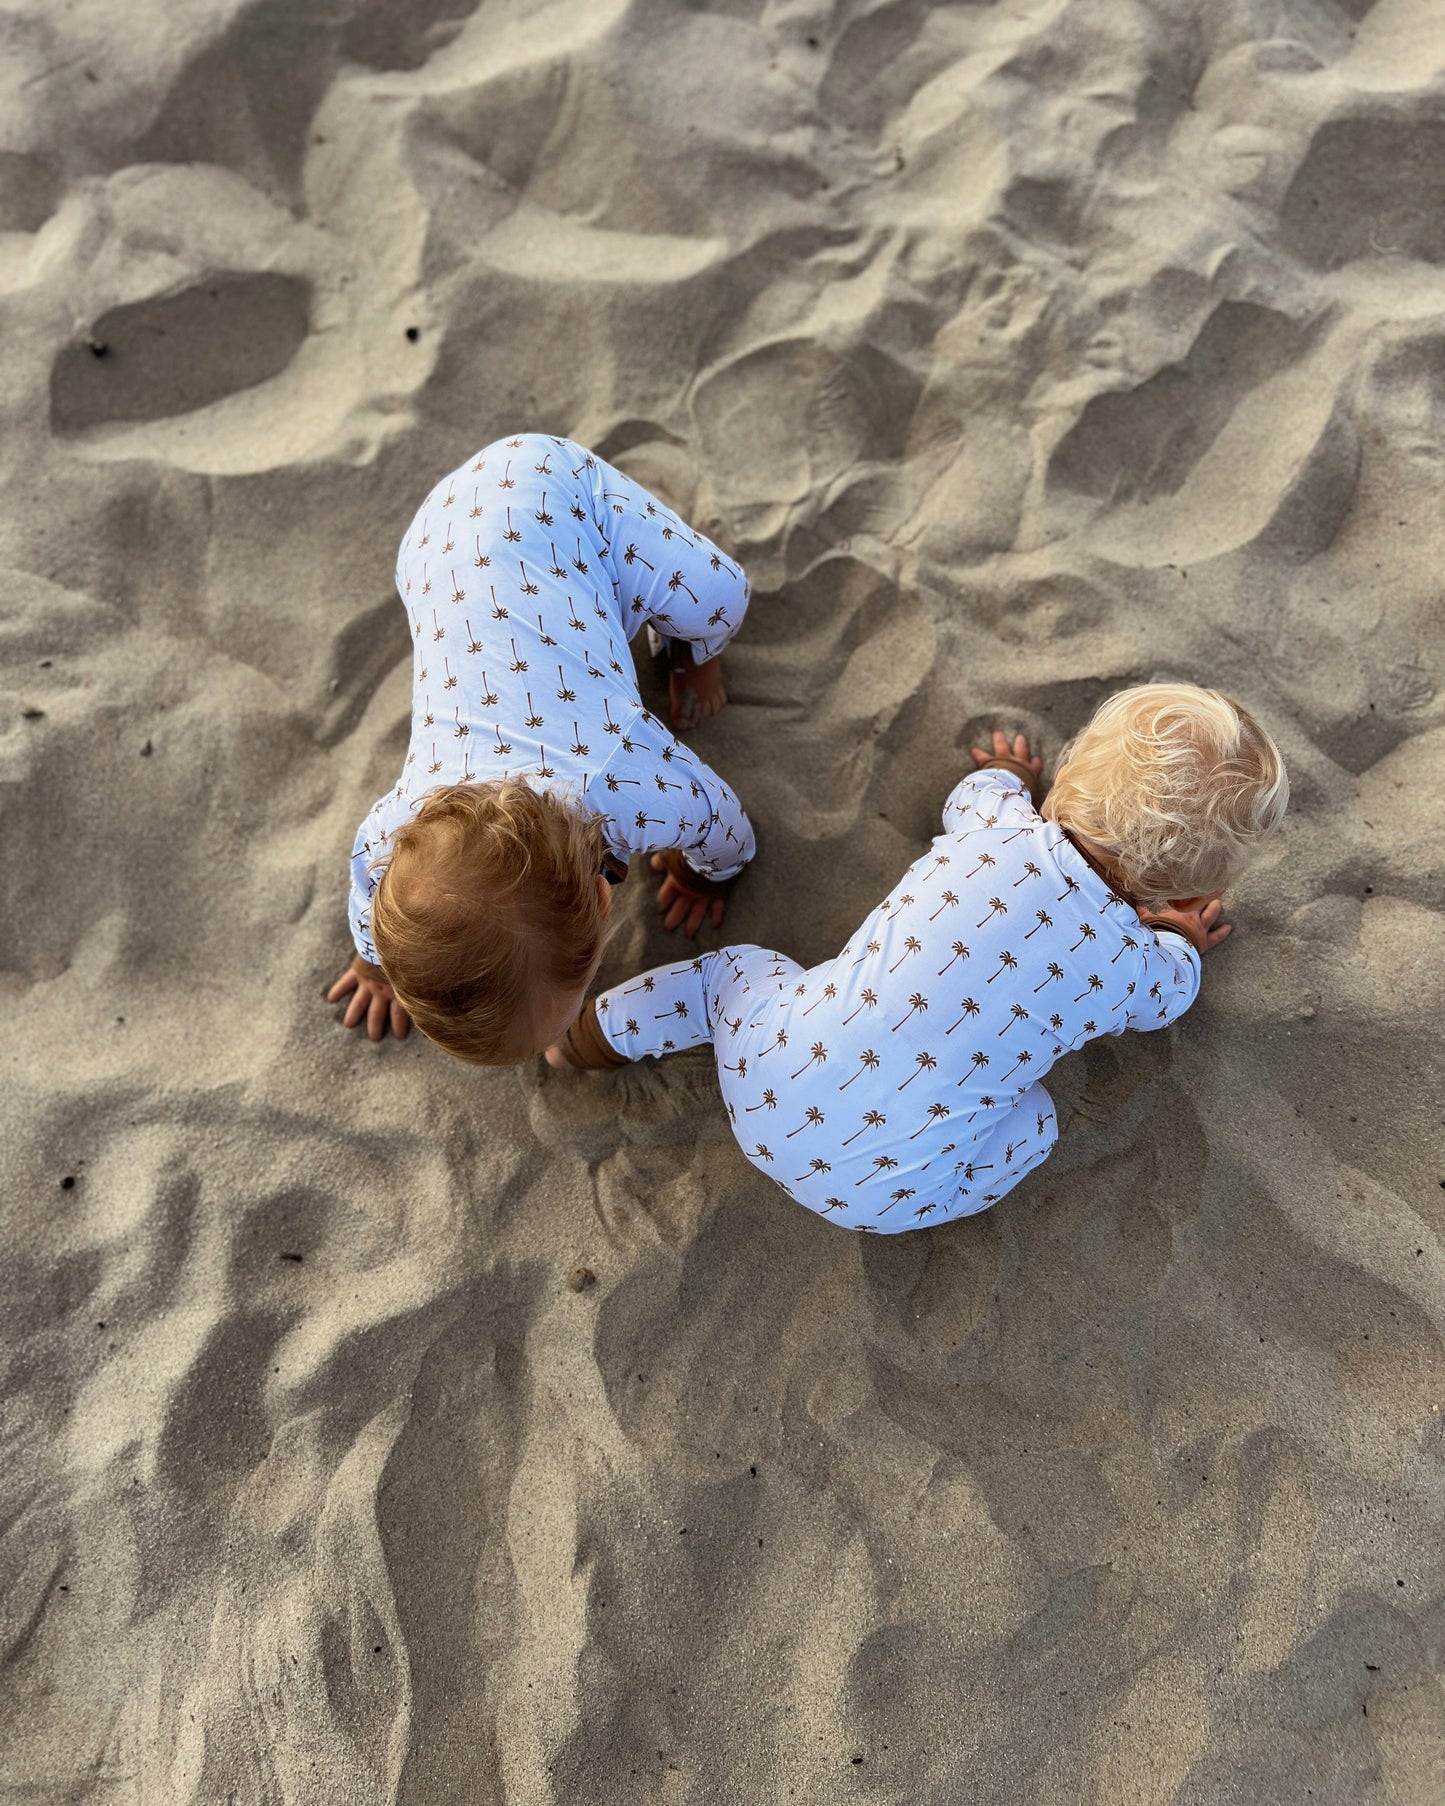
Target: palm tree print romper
524, 576
897, 1085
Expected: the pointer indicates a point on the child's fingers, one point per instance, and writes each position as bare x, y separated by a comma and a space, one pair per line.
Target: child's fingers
348, 981
400, 1021
1002, 749
356, 1009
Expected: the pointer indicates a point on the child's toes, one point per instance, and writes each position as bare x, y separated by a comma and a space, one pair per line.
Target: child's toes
683, 711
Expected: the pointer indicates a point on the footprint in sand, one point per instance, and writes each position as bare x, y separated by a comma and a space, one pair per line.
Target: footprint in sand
1368, 187
1194, 462
175, 353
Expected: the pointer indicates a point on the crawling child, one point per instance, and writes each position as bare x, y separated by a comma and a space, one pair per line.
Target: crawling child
898, 1084
480, 883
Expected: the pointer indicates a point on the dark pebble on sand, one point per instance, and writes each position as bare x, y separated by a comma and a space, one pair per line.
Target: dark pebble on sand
413, 333
98, 347
580, 1278
145, 751
29, 713
68, 1182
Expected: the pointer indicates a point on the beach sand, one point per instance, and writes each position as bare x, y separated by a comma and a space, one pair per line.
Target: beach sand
1021, 352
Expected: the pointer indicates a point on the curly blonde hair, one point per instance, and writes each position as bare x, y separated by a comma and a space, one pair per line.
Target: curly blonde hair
1180, 785
488, 898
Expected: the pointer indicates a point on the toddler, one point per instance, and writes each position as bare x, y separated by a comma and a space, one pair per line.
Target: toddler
898, 1084
480, 881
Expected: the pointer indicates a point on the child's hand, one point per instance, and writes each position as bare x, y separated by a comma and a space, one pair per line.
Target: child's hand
373, 999
681, 907
1002, 750
1197, 916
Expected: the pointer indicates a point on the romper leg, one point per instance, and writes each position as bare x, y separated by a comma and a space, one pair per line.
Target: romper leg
692, 1001
661, 1011
1018, 1142
667, 574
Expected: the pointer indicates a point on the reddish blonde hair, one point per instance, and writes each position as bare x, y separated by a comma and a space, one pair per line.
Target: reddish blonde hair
489, 896
1180, 784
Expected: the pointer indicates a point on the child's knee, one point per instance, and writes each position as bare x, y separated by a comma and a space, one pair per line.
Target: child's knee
1025, 1136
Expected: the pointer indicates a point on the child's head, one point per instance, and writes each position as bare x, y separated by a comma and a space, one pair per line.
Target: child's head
490, 918
1178, 785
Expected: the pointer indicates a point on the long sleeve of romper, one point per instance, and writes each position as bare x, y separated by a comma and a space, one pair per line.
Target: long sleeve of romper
985, 798
658, 794
665, 571
362, 888
1172, 971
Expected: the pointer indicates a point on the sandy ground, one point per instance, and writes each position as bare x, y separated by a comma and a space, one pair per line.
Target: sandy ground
1021, 351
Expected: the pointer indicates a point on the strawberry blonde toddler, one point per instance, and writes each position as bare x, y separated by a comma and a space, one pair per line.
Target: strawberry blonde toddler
898, 1084
481, 882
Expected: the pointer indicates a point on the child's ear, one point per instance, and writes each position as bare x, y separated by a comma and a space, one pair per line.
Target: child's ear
604, 896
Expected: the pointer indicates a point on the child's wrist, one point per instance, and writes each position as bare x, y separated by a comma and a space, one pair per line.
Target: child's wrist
1166, 925
1033, 780
694, 883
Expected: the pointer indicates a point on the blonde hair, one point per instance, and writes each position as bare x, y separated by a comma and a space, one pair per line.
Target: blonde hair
489, 896
1180, 785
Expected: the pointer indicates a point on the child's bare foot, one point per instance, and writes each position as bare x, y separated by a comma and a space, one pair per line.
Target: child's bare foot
694, 692
584, 1047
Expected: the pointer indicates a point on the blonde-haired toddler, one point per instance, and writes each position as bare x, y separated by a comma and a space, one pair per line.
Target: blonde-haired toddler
897, 1085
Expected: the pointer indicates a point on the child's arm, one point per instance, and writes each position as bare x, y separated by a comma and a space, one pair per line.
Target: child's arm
675, 804
986, 789
1174, 943
372, 999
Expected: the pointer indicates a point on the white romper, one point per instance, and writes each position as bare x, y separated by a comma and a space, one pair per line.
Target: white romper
898, 1084
524, 575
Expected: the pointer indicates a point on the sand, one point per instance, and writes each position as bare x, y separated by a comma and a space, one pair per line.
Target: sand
1021, 351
